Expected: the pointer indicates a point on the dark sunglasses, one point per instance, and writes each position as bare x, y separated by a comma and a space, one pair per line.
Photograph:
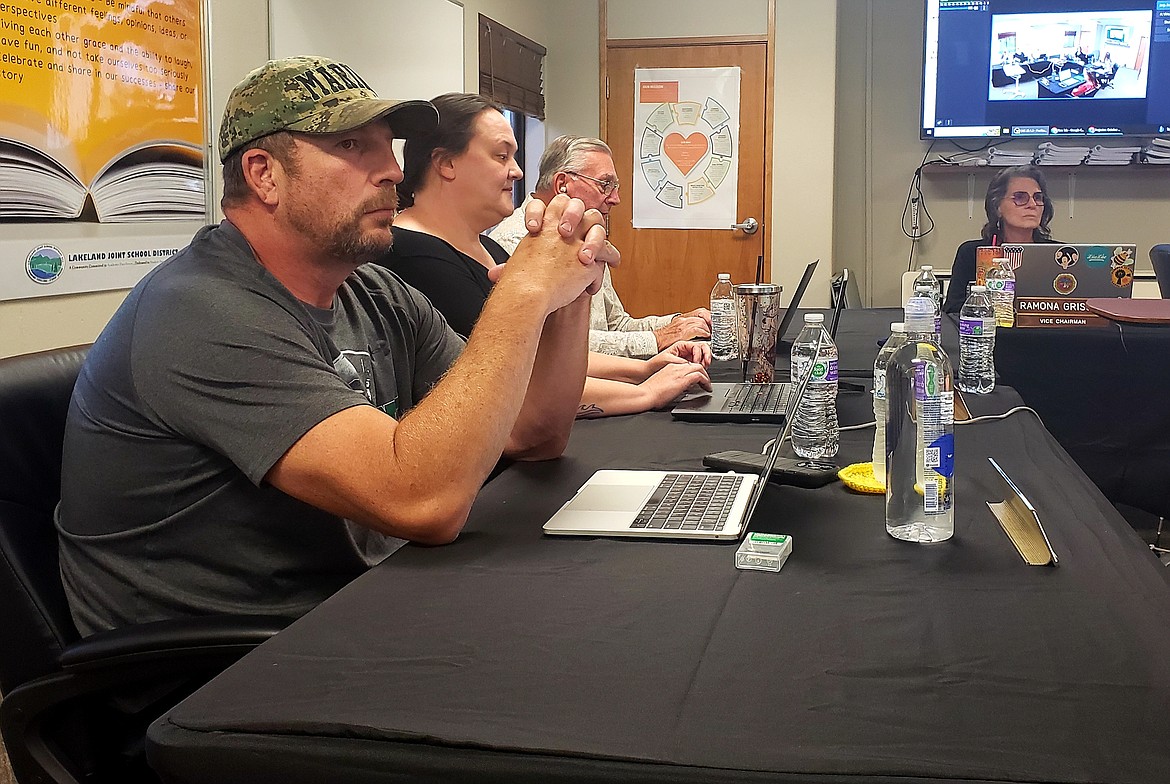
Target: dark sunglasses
1020, 198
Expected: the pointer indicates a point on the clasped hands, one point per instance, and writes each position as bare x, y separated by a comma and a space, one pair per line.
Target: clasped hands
575, 225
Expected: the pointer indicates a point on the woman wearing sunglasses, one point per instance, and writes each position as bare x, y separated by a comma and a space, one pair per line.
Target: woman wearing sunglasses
1018, 211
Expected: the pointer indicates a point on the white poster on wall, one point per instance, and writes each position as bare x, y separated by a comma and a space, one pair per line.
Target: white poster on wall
686, 147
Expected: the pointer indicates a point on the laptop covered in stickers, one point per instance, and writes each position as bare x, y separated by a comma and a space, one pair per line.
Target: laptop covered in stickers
1053, 280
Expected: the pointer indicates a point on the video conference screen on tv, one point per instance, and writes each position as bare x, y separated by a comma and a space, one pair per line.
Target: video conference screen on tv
1046, 68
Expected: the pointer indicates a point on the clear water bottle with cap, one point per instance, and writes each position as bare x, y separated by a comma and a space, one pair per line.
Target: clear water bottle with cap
896, 339
723, 334
920, 451
929, 285
935, 319
1001, 287
815, 433
977, 343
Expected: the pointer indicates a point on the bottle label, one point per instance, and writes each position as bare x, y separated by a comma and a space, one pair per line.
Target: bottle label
931, 496
925, 381
939, 455
824, 370
973, 327
935, 409
1004, 285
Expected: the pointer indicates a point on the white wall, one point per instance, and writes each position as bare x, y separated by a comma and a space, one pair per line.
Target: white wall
804, 120
686, 18
423, 58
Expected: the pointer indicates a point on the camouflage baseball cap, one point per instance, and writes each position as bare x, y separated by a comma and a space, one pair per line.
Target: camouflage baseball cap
311, 95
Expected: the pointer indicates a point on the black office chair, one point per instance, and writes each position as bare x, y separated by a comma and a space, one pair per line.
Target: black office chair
1106, 77
76, 710
1160, 258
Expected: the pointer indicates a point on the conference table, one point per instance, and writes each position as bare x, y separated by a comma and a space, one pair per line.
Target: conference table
1101, 391
512, 656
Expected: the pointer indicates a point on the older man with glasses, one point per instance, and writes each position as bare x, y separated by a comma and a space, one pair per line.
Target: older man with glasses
583, 169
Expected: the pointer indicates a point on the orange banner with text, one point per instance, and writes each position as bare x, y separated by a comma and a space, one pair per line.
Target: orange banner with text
102, 94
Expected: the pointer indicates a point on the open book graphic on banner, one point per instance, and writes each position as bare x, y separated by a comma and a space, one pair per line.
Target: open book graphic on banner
151, 181
103, 121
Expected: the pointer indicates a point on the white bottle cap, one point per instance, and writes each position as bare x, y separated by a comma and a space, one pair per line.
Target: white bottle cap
724, 276
977, 289
926, 267
814, 318
897, 326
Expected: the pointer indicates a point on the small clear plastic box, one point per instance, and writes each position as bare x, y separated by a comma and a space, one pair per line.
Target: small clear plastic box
763, 552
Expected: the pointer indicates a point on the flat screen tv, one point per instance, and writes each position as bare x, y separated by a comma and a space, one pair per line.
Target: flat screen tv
1045, 68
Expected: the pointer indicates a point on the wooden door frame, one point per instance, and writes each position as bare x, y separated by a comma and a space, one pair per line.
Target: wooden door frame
769, 41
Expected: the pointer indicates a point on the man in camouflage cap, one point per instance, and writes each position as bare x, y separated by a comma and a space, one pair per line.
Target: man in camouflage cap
266, 415
311, 95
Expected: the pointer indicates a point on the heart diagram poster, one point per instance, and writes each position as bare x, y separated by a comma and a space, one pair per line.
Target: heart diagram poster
686, 147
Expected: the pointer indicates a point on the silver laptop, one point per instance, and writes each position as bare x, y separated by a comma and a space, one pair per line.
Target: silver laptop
672, 505
745, 401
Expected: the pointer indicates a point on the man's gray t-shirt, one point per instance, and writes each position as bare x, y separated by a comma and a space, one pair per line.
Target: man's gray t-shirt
207, 374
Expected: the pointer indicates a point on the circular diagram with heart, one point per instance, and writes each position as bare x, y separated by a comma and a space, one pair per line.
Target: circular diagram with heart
686, 151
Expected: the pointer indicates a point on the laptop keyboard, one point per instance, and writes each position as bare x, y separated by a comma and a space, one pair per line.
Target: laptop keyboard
758, 398
689, 502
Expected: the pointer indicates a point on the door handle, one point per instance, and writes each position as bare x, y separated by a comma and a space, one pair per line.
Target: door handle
749, 226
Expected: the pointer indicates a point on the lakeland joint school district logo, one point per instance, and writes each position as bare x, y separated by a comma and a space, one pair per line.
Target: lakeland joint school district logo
44, 265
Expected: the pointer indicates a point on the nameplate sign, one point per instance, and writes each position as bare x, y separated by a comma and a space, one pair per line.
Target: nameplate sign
1055, 312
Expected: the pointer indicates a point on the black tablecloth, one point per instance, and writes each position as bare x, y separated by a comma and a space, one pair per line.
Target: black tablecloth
511, 656
1104, 393
1101, 391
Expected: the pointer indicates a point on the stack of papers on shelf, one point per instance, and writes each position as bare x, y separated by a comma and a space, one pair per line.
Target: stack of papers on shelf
997, 156
1111, 156
1157, 151
1049, 154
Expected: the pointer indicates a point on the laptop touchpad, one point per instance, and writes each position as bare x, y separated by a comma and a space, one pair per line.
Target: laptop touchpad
611, 498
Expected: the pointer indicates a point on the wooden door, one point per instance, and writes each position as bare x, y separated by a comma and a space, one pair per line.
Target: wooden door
669, 270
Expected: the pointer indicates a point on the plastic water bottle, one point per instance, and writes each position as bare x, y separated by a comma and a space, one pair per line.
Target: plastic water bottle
723, 341
926, 283
815, 433
935, 320
920, 441
1001, 287
896, 339
977, 343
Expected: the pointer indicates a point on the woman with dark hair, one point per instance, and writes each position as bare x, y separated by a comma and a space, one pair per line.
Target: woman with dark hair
458, 183
1018, 212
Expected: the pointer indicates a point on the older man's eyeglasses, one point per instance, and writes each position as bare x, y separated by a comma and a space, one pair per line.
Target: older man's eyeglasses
607, 186
1020, 198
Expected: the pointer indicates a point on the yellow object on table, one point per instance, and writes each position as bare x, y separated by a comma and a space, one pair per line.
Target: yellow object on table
859, 477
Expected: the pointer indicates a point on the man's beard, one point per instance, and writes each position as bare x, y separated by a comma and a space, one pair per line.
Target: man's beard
344, 240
